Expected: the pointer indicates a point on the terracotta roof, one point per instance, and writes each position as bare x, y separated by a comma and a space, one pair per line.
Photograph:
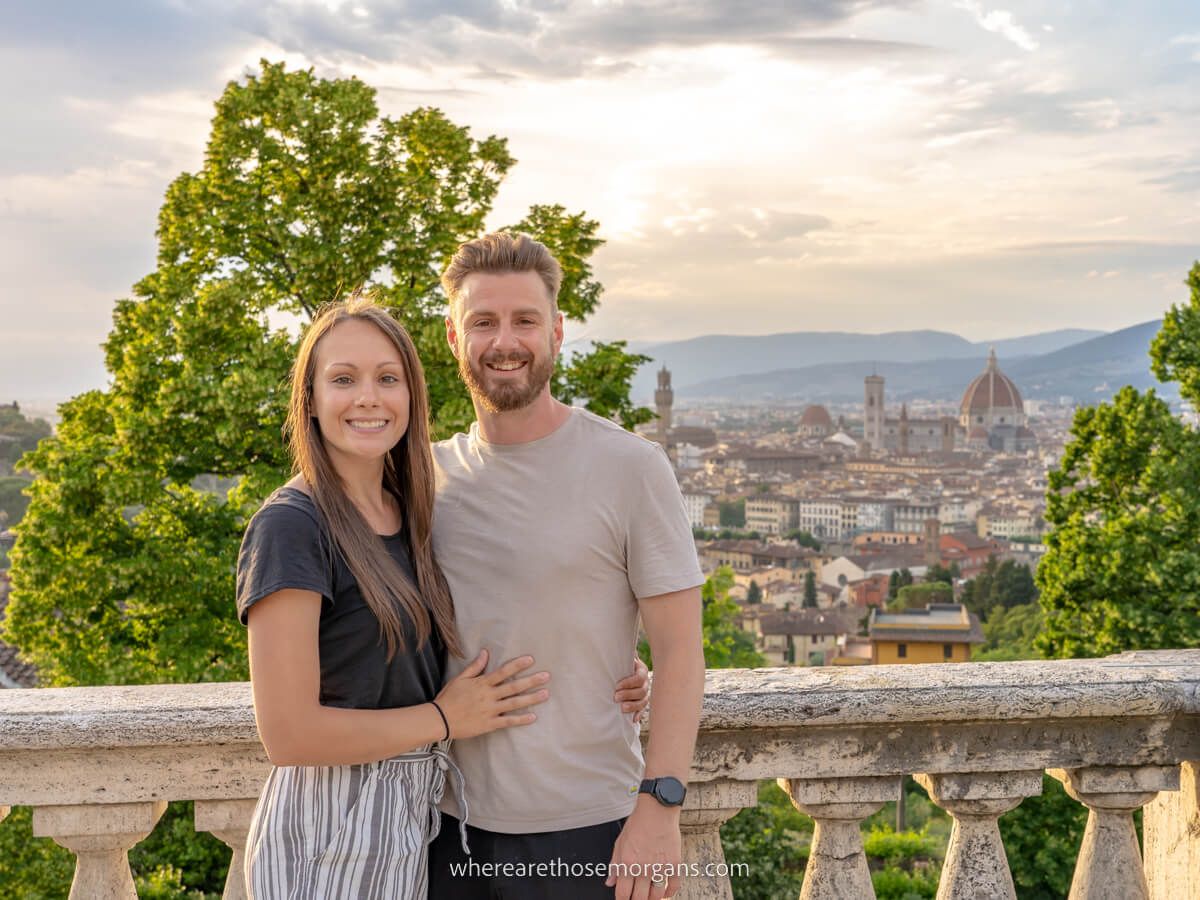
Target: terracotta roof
812, 621
991, 390
816, 415
13, 672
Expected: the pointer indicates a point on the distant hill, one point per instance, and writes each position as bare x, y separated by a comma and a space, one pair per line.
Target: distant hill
1088, 370
703, 359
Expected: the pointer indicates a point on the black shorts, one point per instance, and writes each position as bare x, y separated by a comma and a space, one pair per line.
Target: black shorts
572, 863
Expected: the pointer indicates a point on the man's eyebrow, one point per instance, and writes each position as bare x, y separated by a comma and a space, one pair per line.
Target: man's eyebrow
524, 311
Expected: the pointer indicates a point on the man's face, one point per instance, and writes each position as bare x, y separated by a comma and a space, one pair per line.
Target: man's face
505, 338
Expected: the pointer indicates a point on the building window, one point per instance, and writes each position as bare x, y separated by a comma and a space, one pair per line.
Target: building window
947, 651
902, 651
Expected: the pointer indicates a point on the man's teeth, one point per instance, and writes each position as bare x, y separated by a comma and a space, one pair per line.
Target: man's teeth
508, 366
368, 423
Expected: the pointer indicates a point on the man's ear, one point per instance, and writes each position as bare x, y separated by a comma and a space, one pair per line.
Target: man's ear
452, 335
558, 332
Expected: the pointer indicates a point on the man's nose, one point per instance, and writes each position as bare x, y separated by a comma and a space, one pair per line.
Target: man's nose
506, 338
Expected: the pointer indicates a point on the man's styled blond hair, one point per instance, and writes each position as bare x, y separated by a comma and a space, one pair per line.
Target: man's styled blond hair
502, 252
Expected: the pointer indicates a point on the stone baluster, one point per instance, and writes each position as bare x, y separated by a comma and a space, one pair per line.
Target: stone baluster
976, 866
1110, 865
837, 865
229, 820
1171, 832
100, 835
708, 806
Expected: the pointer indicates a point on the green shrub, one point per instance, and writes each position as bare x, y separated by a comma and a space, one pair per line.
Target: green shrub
32, 868
904, 849
893, 883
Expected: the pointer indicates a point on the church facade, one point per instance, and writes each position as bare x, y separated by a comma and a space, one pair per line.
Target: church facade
991, 418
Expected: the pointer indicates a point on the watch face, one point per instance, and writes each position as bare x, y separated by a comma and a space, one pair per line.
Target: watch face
670, 791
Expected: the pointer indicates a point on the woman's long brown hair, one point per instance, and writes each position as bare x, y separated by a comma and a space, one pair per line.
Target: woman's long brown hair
407, 473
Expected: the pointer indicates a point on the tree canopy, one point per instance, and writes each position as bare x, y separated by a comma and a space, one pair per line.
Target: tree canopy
1122, 567
123, 568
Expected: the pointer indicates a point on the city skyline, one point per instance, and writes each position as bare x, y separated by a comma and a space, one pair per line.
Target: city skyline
874, 167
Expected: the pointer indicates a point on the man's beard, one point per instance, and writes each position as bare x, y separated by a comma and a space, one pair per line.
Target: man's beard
510, 394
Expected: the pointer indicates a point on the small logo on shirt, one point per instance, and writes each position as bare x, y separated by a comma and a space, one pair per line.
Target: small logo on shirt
633, 789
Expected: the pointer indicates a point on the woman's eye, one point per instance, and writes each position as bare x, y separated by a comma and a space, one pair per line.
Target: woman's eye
343, 379
389, 379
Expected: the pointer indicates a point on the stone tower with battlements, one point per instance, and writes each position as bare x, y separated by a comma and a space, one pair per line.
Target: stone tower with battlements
663, 398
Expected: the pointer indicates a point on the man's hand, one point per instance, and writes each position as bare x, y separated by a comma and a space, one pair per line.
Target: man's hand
649, 843
633, 691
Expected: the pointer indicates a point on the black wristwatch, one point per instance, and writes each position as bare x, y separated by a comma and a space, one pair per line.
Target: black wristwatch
668, 791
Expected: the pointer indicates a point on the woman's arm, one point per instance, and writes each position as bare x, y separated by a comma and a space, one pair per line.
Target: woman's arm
297, 730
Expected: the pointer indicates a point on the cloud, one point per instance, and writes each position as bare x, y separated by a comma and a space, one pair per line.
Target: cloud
558, 38
1183, 181
1001, 22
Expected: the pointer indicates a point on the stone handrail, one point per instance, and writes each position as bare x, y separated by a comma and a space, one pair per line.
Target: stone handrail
98, 765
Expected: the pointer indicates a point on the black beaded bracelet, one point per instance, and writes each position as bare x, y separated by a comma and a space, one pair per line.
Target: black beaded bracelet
434, 703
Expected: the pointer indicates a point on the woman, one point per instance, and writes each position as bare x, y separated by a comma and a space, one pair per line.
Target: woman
347, 643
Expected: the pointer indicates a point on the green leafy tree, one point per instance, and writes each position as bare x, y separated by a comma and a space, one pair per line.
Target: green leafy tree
1011, 633
1122, 567
733, 513
948, 574
1001, 585
726, 645
123, 568
804, 539
754, 593
810, 590
918, 596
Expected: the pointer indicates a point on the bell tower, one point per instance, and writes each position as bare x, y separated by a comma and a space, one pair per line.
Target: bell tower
873, 411
663, 398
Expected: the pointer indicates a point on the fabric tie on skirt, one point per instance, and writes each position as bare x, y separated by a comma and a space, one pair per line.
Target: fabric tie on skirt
440, 753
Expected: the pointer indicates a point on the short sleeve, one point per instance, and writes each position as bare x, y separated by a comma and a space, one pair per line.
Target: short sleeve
283, 547
660, 550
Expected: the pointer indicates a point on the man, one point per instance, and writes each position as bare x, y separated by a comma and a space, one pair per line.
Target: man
555, 529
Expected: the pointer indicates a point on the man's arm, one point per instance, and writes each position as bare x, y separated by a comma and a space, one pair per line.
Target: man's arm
651, 834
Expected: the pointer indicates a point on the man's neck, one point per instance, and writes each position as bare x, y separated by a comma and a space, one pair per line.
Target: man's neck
521, 426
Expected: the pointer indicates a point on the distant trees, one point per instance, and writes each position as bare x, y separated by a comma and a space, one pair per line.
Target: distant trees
898, 579
733, 513
18, 435
754, 593
804, 539
918, 596
1000, 585
1122, 567
810, 590
949, 574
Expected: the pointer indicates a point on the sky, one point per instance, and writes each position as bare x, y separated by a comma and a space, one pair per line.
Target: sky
986, 168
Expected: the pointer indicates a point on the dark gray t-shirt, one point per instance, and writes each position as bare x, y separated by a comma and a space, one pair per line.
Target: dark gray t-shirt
285, 546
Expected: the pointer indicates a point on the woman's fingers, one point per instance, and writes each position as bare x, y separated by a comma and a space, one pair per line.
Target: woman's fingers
521, 685
515, 719
509, 669
521, 701
476, 666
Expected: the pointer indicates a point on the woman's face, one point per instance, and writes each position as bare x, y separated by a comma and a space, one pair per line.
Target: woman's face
360, 394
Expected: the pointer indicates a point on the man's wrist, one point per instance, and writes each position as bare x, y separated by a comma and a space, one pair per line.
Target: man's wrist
647, 806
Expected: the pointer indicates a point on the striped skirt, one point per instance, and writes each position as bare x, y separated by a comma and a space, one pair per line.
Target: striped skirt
355, 831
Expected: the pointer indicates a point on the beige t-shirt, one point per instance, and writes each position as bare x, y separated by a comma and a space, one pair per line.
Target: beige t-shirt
547, 547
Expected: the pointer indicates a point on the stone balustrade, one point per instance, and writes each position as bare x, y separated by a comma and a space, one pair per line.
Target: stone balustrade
1121, 733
